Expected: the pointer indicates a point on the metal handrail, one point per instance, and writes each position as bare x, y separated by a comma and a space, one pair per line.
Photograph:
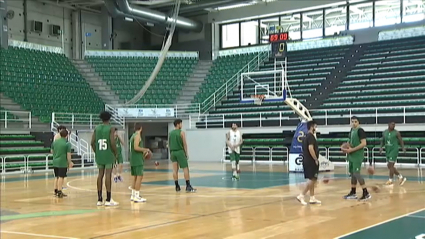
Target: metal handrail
231, 82
420, 157
19, 120
328, 114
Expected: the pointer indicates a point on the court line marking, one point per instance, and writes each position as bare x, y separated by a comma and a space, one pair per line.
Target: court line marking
414, 216
380, 223
36, 234
149, 192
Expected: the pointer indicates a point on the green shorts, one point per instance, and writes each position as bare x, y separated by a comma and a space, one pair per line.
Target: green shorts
354, 166
179, 156
391, 155
234, 157
137, 170
104, 166
119, 159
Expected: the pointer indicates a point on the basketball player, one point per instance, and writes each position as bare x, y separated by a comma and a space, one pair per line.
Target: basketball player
310, 163
104, 147
392, 140
59, 129
179, 155
61, 150
234, 141
355, 155
58, 136
119, 163
137, 161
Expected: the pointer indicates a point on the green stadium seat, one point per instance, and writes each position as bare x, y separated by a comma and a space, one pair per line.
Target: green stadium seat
127, 75
43, 82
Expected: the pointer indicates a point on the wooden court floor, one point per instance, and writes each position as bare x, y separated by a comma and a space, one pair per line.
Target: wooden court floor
261, 205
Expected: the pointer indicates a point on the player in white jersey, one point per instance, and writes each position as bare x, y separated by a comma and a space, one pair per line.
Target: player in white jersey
234, 141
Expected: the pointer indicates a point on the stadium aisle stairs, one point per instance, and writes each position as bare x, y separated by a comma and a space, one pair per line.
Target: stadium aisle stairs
44, 82
127, 75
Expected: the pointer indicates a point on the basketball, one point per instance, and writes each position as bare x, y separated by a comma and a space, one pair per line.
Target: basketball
148, 155
345, 146
156, 163
325, 180
371, 170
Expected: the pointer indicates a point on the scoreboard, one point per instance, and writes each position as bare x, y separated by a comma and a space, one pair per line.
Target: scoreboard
279, 45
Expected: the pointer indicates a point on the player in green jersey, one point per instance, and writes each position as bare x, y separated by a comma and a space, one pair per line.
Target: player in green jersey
355, 156
119, 163
137, 162
179, 155
392, 140
61, 150
104, 147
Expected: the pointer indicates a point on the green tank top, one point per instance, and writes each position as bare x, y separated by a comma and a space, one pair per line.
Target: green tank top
354, 141
118, 145
103, 153
391, 140
61, 147
175, 140
136, 158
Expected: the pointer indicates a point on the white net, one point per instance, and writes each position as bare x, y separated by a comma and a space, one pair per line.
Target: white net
266, 83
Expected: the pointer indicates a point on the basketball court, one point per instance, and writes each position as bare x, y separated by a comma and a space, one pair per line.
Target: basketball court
261, 205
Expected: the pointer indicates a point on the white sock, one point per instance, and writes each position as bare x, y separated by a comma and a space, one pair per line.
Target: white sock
234, 173
312, 198
237, 167
136, 194
132, 192
400, 176
390, 179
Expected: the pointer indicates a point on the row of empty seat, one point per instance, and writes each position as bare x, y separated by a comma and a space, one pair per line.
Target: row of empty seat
389, 73
43, 82
306, 70
127, 75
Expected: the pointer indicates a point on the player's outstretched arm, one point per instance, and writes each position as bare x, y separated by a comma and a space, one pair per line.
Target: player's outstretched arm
121, 140
400, 140
183, 135
93, 141
113, 143
228, 140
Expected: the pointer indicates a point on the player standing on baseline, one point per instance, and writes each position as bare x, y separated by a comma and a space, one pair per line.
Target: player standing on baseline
355, 155
234, 141
104, 147
310, 163
119, 164
392, 140
61, 150
137, 162
179, 155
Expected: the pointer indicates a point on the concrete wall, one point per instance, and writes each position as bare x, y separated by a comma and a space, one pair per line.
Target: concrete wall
126, 33
45, 13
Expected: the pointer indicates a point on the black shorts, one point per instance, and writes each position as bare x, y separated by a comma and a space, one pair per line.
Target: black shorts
60, 172
311, 171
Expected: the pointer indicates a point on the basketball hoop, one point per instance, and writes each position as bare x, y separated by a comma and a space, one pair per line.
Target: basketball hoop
258, 99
